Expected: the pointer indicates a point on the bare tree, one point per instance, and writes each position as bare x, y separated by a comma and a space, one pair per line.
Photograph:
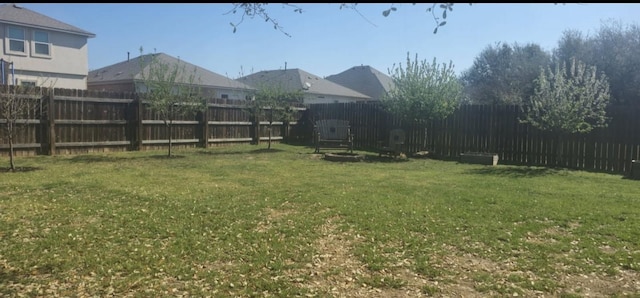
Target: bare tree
17, 105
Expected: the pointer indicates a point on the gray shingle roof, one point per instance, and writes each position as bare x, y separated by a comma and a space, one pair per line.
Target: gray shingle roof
296, 79
16, 15
364, 79
132, 70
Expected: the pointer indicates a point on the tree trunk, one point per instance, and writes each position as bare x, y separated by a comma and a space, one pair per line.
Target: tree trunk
12, 165
270, 125
559, 159
170, 129
425, 142
556, 157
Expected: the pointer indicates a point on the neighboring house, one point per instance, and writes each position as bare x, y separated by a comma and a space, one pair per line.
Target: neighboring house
40, 51
125, 76
364, 79
315, 89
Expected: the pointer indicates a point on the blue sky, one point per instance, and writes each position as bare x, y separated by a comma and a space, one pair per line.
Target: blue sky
325, 40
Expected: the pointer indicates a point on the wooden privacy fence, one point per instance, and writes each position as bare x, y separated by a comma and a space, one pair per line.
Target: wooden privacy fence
74, 121
69, 121
497, 129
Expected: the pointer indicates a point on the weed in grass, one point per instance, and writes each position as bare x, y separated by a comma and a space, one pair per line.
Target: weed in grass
371, 256
424, 267
430, 290
382, 282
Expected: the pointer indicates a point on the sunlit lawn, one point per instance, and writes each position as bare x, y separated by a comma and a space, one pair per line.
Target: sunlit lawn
244, 221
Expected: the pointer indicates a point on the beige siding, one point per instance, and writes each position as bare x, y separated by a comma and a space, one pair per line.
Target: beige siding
49, 79
112, 87
68, 61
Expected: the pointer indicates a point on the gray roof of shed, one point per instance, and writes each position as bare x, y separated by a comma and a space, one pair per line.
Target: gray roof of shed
364, 79
13, 14
132, 70
296, 79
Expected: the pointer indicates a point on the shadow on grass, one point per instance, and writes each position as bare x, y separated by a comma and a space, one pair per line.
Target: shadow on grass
96, 158
19, 169
88, 158
384, 159
513, 171
265, 150
164, 156
255, 151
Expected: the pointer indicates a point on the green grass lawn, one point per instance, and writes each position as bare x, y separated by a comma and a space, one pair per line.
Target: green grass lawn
242, 221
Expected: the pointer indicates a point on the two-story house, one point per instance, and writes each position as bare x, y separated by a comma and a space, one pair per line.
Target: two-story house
40, 51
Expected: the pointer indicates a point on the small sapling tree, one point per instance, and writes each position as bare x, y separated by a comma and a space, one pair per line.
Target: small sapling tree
275, 104
170, 90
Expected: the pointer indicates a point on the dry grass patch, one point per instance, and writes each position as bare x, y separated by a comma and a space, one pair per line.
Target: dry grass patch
271, 216
624, 283
337, 272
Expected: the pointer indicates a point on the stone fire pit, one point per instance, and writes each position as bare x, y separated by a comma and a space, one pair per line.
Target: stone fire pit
343, 157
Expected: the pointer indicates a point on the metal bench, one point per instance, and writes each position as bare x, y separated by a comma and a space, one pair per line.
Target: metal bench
333, 133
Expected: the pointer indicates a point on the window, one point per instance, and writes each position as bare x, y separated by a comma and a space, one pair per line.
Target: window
41, 45
224, 96
25, 83
16, 40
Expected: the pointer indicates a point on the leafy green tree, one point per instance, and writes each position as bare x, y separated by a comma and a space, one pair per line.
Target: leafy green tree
568, 100
573, 44
504, 74
617, 54
17, 103
423, 91
615, 50
275, 104
170, 90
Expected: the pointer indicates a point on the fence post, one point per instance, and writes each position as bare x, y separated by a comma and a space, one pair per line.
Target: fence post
135, 124
203, 117
284, 131
48, 142
254, 132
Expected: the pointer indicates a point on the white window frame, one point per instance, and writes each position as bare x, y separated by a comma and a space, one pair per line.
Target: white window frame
34, 43
9, 39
